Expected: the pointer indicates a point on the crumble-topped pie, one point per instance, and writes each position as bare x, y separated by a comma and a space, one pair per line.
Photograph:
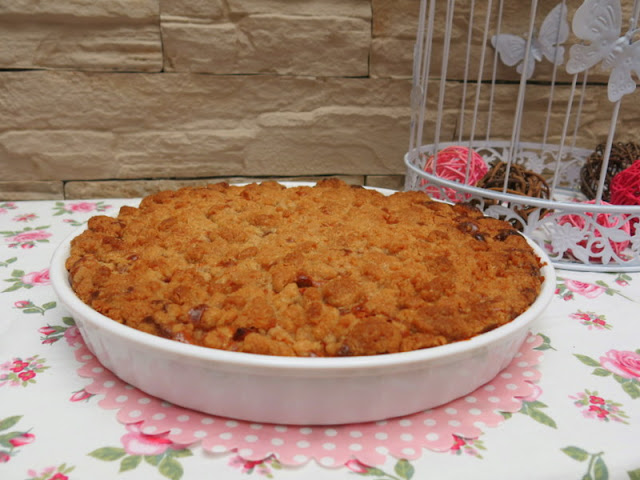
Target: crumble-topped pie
328, 270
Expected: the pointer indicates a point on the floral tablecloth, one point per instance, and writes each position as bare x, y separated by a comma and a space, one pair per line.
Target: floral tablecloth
567, 408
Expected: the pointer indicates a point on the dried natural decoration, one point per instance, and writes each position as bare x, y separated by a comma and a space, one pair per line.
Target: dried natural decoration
521, 182
621, 157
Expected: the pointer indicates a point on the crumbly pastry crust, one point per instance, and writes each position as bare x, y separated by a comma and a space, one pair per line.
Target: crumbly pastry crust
329, 270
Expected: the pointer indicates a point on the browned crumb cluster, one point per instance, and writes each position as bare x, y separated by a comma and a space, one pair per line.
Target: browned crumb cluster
329, 270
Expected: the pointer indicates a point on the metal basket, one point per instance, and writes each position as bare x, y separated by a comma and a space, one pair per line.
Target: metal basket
592, 236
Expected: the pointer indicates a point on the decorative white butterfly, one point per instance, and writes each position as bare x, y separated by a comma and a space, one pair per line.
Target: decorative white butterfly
600, 22
553, 33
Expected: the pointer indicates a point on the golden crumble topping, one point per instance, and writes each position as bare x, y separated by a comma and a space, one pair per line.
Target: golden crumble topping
329, 270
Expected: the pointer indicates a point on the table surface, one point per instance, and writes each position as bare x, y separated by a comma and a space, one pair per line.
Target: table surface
577, 415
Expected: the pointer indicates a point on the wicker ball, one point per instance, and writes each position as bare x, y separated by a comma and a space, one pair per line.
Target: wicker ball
521, 182
625, 186
621, 157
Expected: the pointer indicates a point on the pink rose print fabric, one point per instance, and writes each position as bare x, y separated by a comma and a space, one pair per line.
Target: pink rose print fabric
27, 217
19, 372
22, 439
135, 442
623, 363
568, 289
31, 236
28, 307
402, 470
68, 331
595, 407
80, 396
264, 467
6, 206
12, 440
26, 238
20, 279
157, 451
588, 290
81, 207
60, 472
592, 320
62, 208
37, 278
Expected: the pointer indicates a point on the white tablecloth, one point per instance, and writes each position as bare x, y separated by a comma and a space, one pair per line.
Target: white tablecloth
581, 420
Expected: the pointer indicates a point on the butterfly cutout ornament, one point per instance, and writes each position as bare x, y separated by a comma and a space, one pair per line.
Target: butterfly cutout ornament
547, 44
600, 23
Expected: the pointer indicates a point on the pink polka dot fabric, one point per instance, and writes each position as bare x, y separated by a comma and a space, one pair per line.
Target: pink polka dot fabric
330, 446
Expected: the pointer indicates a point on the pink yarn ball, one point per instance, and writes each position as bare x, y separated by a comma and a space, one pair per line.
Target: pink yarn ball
451, 164
606, 221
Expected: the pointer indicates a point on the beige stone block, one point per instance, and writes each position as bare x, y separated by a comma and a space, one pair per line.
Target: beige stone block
20, 190
391, 182
265, 43
394, 27
107, 35
122, 103
48, 100
392, 57
78, 154
395, 18
343, 8
332, 139
192, 9
116, 9
190, 153
205, 48
56, 154
83, 46
74, 126
141, 188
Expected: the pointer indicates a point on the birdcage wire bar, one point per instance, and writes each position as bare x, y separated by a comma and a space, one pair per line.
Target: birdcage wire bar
585, 243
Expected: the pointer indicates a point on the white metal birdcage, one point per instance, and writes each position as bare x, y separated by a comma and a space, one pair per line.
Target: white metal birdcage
469, 57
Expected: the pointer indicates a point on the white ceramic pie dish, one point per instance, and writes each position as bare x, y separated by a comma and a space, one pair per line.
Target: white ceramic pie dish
285, 390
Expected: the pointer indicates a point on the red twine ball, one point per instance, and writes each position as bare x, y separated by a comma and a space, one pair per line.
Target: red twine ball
625, 186
625, 189
451, 164
601, 219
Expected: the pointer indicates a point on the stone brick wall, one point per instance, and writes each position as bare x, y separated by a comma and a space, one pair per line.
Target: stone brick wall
106, 98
